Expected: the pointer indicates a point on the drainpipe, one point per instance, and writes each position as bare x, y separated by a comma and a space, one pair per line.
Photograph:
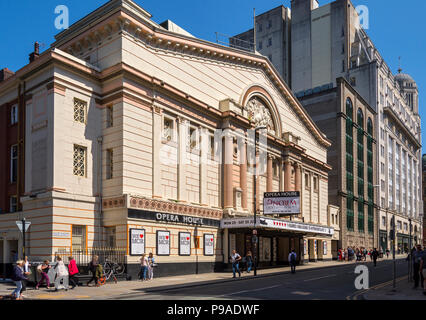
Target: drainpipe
101, 220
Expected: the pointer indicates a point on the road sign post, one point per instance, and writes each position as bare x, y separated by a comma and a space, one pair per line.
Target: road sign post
23, 226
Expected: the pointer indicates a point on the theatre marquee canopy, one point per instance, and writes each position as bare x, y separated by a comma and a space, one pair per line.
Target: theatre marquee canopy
269, 223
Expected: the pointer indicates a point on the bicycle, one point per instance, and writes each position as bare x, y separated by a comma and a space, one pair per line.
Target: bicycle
111, 269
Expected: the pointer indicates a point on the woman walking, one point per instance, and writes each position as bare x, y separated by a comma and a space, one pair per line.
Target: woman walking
61, 281
72, 270
18, 276
151, 262
27, 272
93, 266
144, 267
249, 261
43, 269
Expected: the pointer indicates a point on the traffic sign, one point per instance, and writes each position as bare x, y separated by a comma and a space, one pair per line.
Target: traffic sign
19, 224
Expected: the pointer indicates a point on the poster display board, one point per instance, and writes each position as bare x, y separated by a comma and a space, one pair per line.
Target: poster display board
281, 203
208, 244
324, 247
136, 242
184, 243
163, 243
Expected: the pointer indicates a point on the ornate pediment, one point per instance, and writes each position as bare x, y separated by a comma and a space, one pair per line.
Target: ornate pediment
259, 114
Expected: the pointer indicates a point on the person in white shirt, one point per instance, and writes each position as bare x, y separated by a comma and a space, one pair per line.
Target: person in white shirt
292, 258
144, 267
235, 259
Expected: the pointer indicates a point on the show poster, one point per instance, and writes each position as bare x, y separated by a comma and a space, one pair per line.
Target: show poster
137, 242
208, 244
184, 244
163, 243
325, 247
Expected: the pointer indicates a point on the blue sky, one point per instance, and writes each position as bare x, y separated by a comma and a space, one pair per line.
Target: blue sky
398, 28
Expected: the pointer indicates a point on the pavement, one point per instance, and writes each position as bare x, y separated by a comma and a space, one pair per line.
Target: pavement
210, 285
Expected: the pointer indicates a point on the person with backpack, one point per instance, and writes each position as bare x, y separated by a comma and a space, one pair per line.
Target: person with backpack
93, 266
43, 269
61, 279
72, 270
292, 258
18, 276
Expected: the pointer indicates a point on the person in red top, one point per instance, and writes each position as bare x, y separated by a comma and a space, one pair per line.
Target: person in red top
72, 270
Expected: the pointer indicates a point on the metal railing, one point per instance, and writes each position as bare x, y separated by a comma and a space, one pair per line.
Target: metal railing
82, 257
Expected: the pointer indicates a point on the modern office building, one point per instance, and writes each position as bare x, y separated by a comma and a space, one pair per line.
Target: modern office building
348, 121
327, 43
133, 136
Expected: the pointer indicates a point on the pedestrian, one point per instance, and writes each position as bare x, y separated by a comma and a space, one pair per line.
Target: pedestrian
151, 264
27, 272
417, 259
18, 276
93, 267
375, 255
422, 270
73, 271
144, 267
43, 269
387, 253
249, 261
235, 259
292, 258
61, 278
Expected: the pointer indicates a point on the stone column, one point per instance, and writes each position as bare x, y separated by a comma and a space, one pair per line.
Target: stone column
243, 175
182, 155
269, 174
228, 164
298, 172
287, 175
203, 166
156, 148
282, 188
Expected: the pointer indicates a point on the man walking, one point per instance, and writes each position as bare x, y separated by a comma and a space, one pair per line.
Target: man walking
417, 259
375, 255
422, 270
235, 259
292, 259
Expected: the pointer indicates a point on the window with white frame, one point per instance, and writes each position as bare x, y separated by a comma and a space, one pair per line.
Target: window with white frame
384, 221
78, 241
79, 161
80, 109
14, 163
14, 114
194, 138
211, 146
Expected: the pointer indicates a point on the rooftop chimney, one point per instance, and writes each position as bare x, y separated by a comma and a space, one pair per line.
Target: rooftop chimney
34, 55
5, 73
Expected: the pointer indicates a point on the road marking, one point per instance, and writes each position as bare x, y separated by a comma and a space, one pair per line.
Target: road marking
332, 275
244, 291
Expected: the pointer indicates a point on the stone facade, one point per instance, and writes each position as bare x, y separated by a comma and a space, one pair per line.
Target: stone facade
128, 119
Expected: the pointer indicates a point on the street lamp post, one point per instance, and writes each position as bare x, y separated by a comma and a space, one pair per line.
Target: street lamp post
393, 251
254, 237
410, 260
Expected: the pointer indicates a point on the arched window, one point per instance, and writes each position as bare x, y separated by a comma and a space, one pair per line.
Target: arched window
360, 118
349, 108
370, 127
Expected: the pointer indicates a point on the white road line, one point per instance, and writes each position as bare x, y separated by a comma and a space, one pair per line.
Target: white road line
260, 289
332, 275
